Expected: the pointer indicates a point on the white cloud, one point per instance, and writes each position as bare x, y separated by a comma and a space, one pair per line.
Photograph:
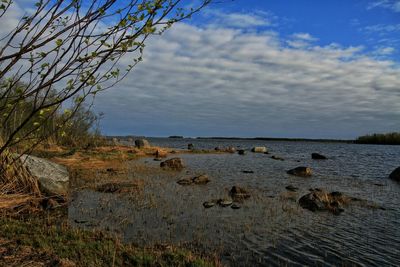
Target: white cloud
221, 81
384, 51
239, 20
383, 28
393, 5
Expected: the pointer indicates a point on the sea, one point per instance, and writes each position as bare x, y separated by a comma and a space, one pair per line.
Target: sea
269, 228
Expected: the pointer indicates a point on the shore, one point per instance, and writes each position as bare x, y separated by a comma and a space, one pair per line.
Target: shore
47, 238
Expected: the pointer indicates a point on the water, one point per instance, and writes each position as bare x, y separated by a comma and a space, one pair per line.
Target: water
270, 229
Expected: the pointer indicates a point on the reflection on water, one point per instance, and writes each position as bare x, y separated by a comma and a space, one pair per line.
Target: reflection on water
270, 228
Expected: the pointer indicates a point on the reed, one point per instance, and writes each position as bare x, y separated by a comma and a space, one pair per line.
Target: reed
19, 189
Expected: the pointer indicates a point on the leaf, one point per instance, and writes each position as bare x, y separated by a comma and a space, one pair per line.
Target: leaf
59, 42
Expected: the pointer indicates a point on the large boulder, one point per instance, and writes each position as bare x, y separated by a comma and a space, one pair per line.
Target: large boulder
259, 149
321, 200
395, 175
317, 156
174, 164
53, 178
142, 143
300, 171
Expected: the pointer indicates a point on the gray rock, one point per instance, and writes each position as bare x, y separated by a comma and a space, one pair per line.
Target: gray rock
53, 178
300, 171
395, 175
259, 149
190, 146
142, 143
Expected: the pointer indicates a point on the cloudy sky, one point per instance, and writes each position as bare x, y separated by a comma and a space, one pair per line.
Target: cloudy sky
276, 68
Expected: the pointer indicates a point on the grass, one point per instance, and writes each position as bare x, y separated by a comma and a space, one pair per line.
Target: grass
47, 237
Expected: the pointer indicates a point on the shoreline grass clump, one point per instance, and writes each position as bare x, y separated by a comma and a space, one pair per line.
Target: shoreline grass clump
19, 189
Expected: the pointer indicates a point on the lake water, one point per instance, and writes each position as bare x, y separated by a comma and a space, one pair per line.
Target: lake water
270, 229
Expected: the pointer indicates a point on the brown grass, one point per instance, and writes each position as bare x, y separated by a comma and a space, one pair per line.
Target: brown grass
19, 190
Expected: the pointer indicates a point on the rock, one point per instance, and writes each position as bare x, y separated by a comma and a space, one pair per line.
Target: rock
209, 204
238, 193
300, 171
161, 153
190, 146
53, 178
241, 152
395, 175
229, 149
224, 202
317, 156
277, 158
142, 143
235, 206
174, 163
321, 200
291, 188
50, 204
201, 179
157, 159
248, 172
259, 149
185, 182
120, 187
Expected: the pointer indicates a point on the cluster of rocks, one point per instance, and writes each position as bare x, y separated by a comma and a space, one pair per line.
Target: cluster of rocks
173, 164
198, 180
237, 196
395, 175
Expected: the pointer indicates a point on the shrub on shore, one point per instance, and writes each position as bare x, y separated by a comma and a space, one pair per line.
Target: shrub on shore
380, 139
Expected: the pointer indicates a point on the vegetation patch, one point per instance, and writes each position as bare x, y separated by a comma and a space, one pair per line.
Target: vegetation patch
48, 239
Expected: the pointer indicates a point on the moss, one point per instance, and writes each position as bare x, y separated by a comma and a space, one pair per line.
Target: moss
50, 233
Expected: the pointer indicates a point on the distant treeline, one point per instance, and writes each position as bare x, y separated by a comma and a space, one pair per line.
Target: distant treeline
380, 139
281, 139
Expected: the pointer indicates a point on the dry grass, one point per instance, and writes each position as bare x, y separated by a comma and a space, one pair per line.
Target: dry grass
19, 190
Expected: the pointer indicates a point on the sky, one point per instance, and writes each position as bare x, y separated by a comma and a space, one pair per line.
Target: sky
266, 68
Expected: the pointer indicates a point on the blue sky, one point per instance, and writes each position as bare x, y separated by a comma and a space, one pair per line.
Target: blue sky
288, 68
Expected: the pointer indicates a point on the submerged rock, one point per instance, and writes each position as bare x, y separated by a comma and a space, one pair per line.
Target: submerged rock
120, 187
190, 146
277, 158
395, 175
318, 156
238, 193
142, 143
209, 204
225, 202
248, 172
300, 171
235, 206
185, 182
201, 179
291, 188
321, 200
259, 149
53, 178
229, 149
241, 152
174, 164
